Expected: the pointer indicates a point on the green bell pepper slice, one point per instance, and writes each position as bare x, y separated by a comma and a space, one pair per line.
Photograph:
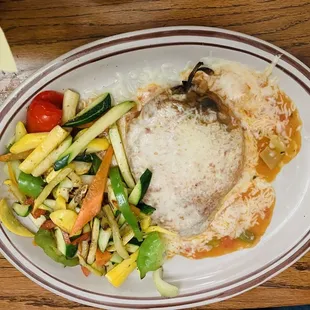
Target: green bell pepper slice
30, 185
122, 200
45, 239
151, 254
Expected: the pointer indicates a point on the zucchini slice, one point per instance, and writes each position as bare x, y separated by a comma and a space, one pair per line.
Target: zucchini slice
66, 183
98, 268
97, 145
15, 191
92, 111
111, 195
51, 175
51, 203
21, 210
86, 228
70, 102
10, 143
76, 179
126, 238
121, 220
51, 142
119, 246
116, 258
10, 222
87, 158
104, 237
20, 131
109, 266
84, 249
145, 222
60, 203
146, 209
92, 132
120, 155
38, 221
141, 187
46, 208
50, 186
48, 161
79, 134
89, 267
81, 167
61, 192
60, 241
28, 142
132, 248
69, 250
119, 273
95, 165
94, 241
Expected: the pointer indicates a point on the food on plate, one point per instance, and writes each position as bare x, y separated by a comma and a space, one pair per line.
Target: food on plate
44, 112
182, 169
11, 222
200, 155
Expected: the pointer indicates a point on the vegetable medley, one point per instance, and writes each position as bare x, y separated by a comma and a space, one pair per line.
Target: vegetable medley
87, 211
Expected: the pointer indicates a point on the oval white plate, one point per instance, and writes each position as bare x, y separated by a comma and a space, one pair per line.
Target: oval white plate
94, 66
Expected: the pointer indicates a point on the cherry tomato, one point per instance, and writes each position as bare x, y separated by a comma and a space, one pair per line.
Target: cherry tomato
44, 112
52, 96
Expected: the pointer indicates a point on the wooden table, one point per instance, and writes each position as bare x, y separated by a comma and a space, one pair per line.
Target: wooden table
39, 30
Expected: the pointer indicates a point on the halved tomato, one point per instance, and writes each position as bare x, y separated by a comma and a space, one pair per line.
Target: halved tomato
45, 112
52, 96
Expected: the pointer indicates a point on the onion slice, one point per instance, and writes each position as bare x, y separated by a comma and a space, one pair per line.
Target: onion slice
165, 289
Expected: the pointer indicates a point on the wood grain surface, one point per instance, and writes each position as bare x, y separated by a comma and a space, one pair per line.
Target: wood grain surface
39, 31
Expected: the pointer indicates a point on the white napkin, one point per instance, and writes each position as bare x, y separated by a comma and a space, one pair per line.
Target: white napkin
7, 62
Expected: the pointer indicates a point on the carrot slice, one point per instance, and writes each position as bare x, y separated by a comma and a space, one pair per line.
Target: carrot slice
11, 156
92, 202
48, 225
85, 271
102, 258
84, 237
